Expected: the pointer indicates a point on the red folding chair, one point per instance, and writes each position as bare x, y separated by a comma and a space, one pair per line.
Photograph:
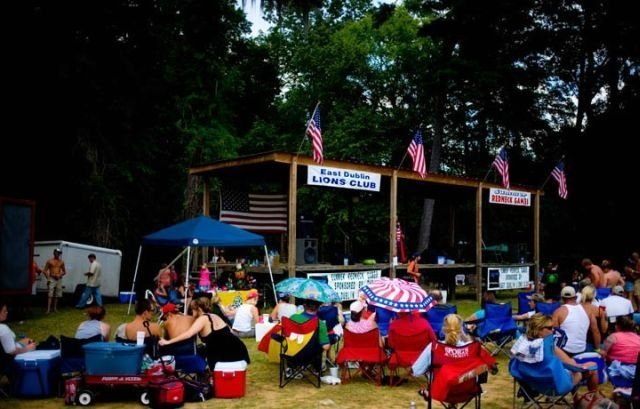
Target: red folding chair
361, 353
405, 350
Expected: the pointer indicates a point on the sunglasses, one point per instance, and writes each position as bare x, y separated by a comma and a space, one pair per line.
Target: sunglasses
549, 327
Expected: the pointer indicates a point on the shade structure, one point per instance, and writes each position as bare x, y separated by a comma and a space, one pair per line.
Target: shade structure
397, 295
308, 289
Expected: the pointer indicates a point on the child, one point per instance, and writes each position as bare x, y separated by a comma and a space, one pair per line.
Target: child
205, 283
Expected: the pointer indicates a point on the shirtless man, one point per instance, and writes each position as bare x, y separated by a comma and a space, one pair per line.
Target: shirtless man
144, 312
612, 277
174, 322
54, 270
594, 272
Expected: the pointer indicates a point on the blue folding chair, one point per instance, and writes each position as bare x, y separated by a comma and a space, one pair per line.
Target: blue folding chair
436, 315
543, 384
602, 293
547, 308
523, 302
498, 328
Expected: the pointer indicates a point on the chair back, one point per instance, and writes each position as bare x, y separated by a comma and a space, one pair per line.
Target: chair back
436, 315
300, 340
383, 318
547, 308
602, 293
523, 302
458, 371
498, 320
364, 347
547, 377
72, 354
406, 348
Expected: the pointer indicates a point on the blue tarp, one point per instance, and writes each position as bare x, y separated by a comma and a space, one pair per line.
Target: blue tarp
203, 231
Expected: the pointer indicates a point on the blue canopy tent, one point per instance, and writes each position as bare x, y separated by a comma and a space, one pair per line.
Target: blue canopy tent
202, 231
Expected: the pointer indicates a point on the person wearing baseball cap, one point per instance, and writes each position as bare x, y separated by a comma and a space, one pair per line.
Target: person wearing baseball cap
617, 304
54, 270
175, 323
357, 324
576, 322
533, 300
246, 316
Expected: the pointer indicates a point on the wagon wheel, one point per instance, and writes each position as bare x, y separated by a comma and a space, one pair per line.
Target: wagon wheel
144, 398
84, 398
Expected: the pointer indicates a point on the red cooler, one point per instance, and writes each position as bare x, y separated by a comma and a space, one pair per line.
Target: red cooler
230, 379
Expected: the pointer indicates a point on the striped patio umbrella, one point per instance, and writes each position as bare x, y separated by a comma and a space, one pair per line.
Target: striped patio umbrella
397, 295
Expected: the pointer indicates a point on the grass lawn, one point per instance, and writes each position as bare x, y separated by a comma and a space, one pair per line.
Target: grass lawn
262, 377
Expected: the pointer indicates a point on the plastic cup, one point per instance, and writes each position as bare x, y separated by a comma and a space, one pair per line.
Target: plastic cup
140, 338
333, 371
265, 318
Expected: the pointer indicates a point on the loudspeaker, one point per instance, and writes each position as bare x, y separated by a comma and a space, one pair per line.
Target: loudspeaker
306, 251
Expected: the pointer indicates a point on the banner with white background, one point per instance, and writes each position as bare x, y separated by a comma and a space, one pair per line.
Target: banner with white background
343, 178
347, 284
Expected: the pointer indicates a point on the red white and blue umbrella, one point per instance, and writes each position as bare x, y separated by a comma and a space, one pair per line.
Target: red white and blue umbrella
397, 295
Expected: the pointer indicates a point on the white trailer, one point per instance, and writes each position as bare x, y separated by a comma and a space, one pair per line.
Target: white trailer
75, 257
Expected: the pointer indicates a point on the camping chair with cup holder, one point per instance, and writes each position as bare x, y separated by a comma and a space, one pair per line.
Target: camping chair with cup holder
436, 315
405, 350
362, 353
457, 373
300, 351
497, 329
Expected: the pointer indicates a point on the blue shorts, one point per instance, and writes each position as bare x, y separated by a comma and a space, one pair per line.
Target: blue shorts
628, 286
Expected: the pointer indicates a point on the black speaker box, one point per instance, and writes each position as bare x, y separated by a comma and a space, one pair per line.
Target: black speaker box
306, 251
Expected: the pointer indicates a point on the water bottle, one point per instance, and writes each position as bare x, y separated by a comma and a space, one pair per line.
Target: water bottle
412, 405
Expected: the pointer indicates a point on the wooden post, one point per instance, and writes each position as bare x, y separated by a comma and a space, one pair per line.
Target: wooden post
479, 242
393, 220
536, 240
293, 215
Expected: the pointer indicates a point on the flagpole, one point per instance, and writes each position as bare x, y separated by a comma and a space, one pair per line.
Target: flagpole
549, 175
304, 138
491, 166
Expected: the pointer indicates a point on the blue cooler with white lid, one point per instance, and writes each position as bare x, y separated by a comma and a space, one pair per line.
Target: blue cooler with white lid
113, 358
36, 373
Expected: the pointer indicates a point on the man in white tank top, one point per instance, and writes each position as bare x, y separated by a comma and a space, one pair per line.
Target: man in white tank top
575, 321
246, 316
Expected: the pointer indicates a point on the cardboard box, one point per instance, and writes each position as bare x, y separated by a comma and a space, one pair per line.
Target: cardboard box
37, 373
230, 379
113, 358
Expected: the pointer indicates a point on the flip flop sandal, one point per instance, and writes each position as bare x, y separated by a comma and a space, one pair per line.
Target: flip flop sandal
424, 393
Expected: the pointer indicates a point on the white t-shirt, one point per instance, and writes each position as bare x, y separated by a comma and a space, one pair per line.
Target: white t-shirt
8, 339
617, 306
243, 320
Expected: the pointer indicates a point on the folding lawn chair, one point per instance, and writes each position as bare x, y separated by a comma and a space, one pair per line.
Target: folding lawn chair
498, 328
436, 315
72, 355
457, 373
626, 388
300, 351
405, 350
547, 308
189, 363
543, 384
362, 353
523, 302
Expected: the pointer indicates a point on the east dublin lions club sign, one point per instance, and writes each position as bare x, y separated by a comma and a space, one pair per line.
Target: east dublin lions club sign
343, 178
509, 197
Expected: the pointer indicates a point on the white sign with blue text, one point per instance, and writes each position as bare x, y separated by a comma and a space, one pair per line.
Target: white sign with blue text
348, 283
343, 178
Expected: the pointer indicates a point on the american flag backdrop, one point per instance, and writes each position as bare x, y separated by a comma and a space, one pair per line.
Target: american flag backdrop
315, 133
501, 162
262, 213
416, 151
560, 176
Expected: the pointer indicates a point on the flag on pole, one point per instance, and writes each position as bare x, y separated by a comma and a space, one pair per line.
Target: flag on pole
501, 162
315, 133
560, 177
400, 247
416, 151
262, 213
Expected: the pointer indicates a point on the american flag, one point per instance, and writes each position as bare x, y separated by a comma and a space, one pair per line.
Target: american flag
501, 162
263, 213
315, 133
416, 151
559, 175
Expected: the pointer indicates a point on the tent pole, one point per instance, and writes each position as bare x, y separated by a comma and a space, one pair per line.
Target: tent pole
135, 274
186, 293
273, 285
